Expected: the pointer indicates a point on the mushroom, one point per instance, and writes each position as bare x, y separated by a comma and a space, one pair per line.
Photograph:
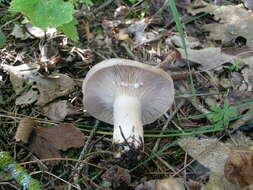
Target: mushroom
127, 94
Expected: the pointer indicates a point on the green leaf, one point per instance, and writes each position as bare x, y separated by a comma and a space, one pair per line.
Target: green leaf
23, 6
216, 109
215, 117
226, 104
88, 2
44, 14
2, 39
70, 30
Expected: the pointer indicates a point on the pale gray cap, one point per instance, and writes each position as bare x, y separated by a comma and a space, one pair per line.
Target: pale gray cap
113, 77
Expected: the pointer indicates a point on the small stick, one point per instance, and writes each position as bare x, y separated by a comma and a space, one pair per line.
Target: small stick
129, 52
79, 166
181, 103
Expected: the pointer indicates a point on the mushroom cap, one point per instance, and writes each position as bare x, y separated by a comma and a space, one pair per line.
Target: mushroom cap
115, 77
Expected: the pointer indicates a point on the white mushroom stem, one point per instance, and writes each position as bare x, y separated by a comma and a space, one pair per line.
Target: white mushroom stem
127, 122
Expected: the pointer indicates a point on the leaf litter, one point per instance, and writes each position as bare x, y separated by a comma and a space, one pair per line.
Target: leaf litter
222, 159
32, 87
47, 142
44, 91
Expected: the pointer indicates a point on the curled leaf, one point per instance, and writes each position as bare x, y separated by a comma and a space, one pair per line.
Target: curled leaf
24, 130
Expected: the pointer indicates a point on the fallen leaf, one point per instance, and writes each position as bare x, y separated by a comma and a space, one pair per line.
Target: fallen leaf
212, 58
164, 184
42, 148
213, 154
29, 31
38, 32
234, 21
57, 111
27, 97
141, 38
63, 136
26, 78
175, 40
208, 58
24, 130
139, 26
46, 142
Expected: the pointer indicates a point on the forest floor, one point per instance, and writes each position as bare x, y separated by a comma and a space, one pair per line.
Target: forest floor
204, 141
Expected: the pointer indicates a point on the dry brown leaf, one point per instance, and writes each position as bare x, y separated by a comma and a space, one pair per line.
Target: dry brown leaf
63, 136
47, 142
234, 21
57, 111
213, 154
239, 168
31, 85
175, 40
24, 130
164, 184
42, 148
211, 58
208, 58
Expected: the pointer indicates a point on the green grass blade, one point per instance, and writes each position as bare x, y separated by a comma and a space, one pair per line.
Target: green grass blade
180, 29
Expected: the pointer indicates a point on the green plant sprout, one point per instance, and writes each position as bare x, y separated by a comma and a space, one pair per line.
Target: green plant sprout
18, 173
222, 116
236, 66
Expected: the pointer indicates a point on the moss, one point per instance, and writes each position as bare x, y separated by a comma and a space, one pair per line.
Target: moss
18, 173
5, 160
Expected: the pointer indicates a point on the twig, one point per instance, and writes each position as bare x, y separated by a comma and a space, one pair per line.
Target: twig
166, 164
79, 166
195, 102
63, 159
181, 103
11, 21
105, 4
60, 179
129, 52
7, 183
